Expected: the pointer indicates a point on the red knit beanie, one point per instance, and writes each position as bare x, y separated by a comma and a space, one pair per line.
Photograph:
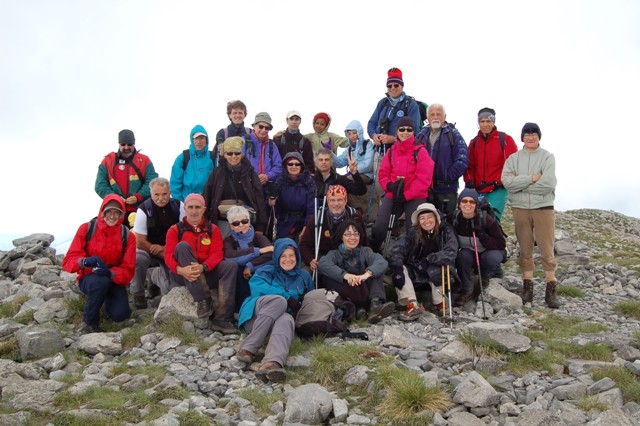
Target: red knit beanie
321, 115
394, 75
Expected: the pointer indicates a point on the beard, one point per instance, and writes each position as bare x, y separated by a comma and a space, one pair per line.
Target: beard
436, 125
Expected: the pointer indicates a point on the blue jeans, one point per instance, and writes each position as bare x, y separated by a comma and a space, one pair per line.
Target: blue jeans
101, 290
466, 262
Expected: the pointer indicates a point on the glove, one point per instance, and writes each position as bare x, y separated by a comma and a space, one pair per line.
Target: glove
469, 184
103, 272
399, 199
93, 262
392, 186
294, 305
423, 265
398, 278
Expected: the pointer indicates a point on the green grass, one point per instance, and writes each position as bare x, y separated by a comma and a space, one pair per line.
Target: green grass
626, 380
261, 400
591, 351
9, 349
299, 346
155, 372
75, 307
482, 346
174, 327
131, 336
25, 317
629, 308
533, 360
329, 364
591, 402
569, 291
636, 335
193, 418
408, 398
9, 309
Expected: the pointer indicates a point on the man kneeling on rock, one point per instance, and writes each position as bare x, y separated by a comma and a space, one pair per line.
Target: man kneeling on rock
194, 255
103, 253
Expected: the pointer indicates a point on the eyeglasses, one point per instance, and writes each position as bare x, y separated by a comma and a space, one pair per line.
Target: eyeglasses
405, 129
292, 164
394, 85
466, 201
262, 127
351, 235
229, 153
238, 222
529, 135
127, 144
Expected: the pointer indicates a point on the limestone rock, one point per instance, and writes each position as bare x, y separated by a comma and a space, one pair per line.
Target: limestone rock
106, 343
39, 341
308, 404
475, 391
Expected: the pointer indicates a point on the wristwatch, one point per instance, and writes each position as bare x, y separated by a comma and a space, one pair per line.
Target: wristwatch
205, 268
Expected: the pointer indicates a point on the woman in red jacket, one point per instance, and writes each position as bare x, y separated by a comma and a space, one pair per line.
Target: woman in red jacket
103, 253
405, 174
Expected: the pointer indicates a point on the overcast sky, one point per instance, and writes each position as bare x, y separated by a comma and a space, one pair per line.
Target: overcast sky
74, 73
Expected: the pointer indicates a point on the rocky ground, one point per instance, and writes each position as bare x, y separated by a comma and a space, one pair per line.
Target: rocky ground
49, 373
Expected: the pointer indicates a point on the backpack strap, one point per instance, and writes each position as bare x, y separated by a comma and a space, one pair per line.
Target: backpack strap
186, 156
91, 230
502, 141
136, 169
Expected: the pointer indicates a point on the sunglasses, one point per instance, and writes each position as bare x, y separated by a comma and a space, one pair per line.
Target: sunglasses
405, 129
292, 164
238, 222
229, 154
465, 201
262, 127
351, 235
127, 144
394, 85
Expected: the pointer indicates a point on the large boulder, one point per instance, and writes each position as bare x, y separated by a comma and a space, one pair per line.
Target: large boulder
39, 341
308, 404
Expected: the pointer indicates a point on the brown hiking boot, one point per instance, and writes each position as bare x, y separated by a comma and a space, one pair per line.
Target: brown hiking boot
527, 291
205, 308
464, 298
245, 356
550, 297
271, 371
485, 282
140, 300
224, 327
379, 310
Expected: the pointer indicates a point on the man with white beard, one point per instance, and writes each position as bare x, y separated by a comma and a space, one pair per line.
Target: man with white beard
449, 152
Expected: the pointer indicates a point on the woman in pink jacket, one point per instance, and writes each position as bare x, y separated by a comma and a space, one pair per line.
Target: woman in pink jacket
405, 174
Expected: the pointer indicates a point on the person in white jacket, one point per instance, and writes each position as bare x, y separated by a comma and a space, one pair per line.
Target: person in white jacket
529, 176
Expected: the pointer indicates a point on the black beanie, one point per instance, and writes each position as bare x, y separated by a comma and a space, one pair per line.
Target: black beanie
405, 122
530, 128
126, 137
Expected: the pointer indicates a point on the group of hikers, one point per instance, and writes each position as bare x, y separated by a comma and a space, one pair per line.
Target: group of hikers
266, 220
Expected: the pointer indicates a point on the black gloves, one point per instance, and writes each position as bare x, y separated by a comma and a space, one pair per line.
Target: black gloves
423, 265
294, 305
470, 184
392, 186
103, 272
398, 278
93, 262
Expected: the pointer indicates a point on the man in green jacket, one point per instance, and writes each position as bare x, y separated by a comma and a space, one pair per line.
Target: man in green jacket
126, 173
529, 176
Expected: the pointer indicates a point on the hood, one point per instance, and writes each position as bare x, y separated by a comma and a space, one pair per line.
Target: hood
280, 245
295, 155
109, 198
192, 148
468, 192
355, 125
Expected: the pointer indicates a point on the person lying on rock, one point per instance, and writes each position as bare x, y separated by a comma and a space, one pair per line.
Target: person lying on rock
276, 295
103, 253
193, 253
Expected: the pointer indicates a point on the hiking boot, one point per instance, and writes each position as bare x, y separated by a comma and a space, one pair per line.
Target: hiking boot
362, 314
205, 308
224, 327
271, 371
499, 273
527, 291
140, 301
485, 282
245, 356
89, 328
550, 297
379, 310
464, 298
414, 311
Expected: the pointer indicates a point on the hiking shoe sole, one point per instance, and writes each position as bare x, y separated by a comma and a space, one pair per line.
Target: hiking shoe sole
384, 311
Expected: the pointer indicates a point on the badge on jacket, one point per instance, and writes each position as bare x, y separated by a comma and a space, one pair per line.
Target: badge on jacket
205, 241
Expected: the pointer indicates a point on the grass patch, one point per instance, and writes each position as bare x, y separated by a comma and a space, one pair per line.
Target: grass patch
9, 309
636, 335
591, 402
591, 351
629, 308
9, 349
71, 379
628, 383
131, 336
482, 346
329, 364
261, 400
552, 326
155, 372
174, 327
569, 291
25, 317
408, 398
75, 306
299, 346
193, 418
533, 360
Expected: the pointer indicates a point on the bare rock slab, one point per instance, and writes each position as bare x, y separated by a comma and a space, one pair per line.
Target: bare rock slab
106, 343
475, 391
308, 404
39, 341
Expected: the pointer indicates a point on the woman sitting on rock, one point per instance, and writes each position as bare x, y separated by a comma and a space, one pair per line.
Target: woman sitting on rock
356, 272
276, 292
245, 247
417, 259
466, 221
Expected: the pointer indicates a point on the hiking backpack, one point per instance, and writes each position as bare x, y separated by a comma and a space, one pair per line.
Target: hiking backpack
91, 230
323, 312
181, 229
422, 107
186, 156
472, 144
484, 208
283, 144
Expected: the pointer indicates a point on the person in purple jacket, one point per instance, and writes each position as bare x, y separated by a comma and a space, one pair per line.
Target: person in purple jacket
261, 151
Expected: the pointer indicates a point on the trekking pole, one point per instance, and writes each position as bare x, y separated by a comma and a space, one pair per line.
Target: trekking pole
275, 223
444, 297
449, 289
315, 235
318, 236
387, 239
376, 167
475, 247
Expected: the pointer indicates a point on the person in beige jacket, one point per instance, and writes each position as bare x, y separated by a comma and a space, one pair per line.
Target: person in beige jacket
529, 176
